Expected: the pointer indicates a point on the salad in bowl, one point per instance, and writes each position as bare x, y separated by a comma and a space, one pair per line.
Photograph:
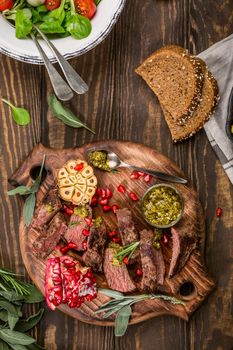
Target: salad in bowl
74, 26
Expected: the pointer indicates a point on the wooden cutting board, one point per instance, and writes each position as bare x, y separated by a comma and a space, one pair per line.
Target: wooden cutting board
191, 284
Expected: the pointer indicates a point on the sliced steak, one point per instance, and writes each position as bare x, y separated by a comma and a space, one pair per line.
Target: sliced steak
46, 210
117, 277
153, 266
50, 236
96, 242
75, 229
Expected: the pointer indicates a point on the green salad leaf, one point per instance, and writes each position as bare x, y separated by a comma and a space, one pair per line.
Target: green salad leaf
78, 26
23, 24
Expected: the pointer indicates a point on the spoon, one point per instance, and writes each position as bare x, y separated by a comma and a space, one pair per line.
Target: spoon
115, 162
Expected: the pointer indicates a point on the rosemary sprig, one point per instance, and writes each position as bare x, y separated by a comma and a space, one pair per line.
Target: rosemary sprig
8, 277
127, 250
122, 306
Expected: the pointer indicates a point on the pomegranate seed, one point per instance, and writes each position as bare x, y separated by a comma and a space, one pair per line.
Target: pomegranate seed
115, 207
112, 234
116, 239
89, 273
219, 212
121, 189
135, 175
89, 297
79, 167
88, 221
103, 193
72, 245
99, 192
85, 232
103, 201
165, 239
126, 260
108, 193
64, 250
107, 208
133, 196
69, 211
147, 178
84, 245
94, 201
139, 272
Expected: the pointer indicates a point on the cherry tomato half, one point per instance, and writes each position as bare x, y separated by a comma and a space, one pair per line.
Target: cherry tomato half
6, 5
52, 4
86, 8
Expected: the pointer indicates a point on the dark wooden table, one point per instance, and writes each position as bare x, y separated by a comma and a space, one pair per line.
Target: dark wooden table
120, 106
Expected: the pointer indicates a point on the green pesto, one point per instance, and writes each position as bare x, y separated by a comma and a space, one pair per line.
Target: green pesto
98, 222
49, 208
162, 205
99, 160
81, 211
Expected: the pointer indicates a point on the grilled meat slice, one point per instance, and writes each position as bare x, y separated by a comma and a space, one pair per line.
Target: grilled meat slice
50, 236
153, 266
46, 210
117, 277
96, 242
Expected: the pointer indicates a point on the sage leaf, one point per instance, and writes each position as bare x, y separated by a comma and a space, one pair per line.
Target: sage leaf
13, 337
11, 296
22, 190
3, 315
12, 320
122, 320
111, 293
35, 347
20, 115
65, 114
3, 345
26, 325
18, 347
34, 295
10, 308
29, 207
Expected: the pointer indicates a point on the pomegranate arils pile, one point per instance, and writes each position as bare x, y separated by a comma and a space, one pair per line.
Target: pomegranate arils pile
102, 197
68, 283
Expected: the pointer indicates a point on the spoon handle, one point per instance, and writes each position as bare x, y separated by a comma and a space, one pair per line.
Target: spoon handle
158, 174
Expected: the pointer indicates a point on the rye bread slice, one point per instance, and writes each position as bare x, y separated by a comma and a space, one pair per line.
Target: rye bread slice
205, 109
176, 78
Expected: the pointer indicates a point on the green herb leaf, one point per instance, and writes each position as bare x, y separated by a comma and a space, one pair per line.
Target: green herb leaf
26, 325
23, 25
34, 295
22, 190
111, 293
65, 114
35, 347
11, 296
97, 2
18, 347
12, 320
29, 207
9, 307
122, 320
13, 337
3, 315
21, 116
52, 27
78, 26
3, 345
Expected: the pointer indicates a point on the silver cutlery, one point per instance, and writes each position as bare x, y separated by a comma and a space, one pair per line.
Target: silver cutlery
115, 162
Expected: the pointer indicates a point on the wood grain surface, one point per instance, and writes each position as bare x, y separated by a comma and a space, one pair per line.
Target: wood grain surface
120, 106
193, 273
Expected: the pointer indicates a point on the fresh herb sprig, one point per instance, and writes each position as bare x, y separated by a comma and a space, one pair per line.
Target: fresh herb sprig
65, 114
122, 306
13, 326
20, 115
126, 251
30, 202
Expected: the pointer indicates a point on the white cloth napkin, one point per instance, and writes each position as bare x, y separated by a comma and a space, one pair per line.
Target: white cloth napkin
219, 59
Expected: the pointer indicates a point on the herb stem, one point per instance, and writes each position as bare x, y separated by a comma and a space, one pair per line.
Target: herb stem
8, 103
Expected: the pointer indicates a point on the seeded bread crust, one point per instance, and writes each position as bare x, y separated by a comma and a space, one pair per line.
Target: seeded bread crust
159, 67
202, 114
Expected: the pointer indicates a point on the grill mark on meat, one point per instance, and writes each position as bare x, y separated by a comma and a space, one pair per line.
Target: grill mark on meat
49, 236
117, 277
96, 242
74, 233
153, 265
42, 216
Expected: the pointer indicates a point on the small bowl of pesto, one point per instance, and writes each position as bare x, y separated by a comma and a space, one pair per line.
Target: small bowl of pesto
162, 206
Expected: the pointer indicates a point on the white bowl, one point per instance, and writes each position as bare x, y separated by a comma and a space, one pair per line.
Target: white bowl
26, 51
